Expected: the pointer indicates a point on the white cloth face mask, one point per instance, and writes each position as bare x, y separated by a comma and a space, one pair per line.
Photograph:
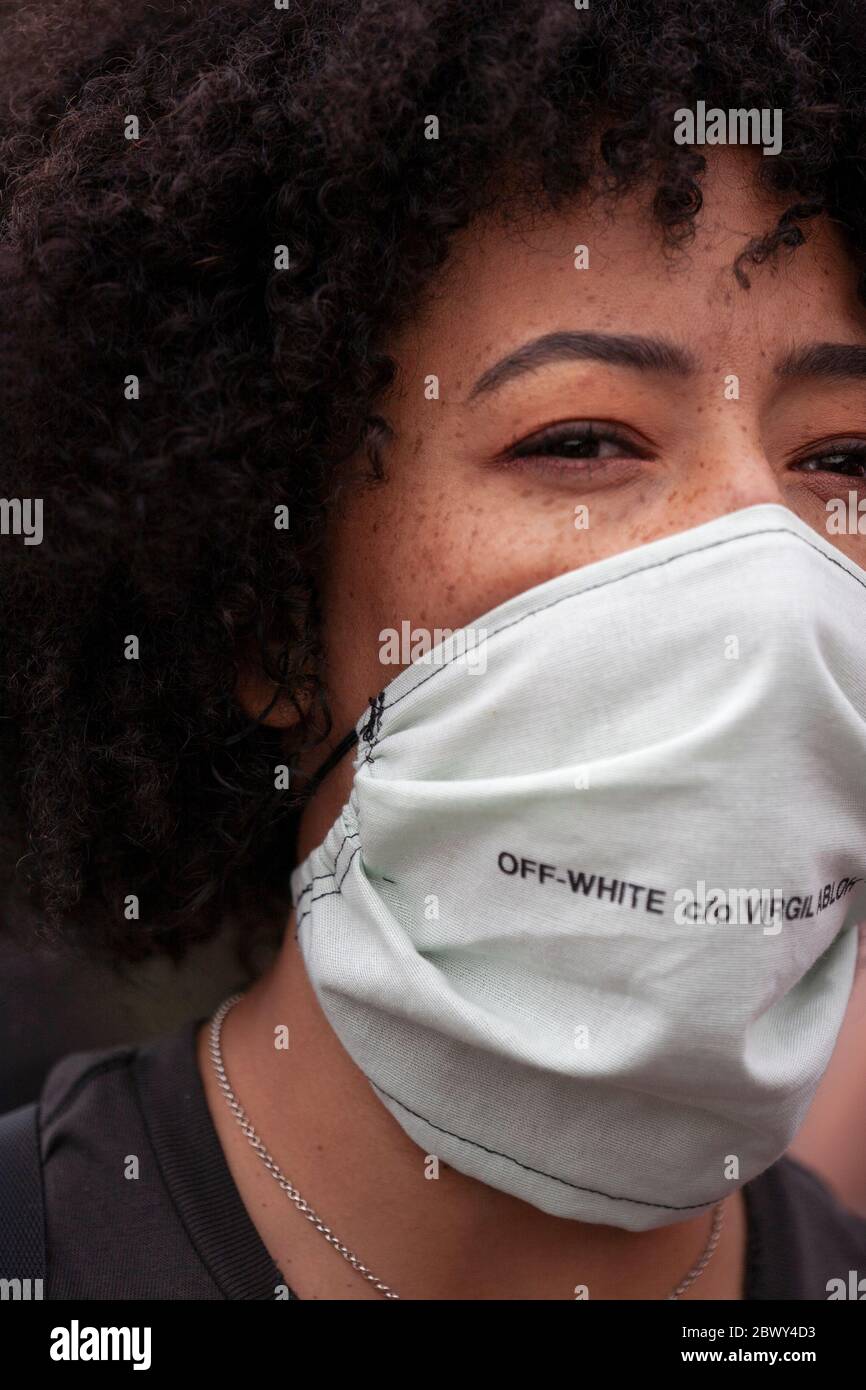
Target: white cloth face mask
587, 922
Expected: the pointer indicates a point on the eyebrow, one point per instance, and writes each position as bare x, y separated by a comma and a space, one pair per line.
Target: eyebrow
618, 350
836, 361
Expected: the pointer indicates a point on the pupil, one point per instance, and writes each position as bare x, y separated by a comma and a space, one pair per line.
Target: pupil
580, 448
844, 463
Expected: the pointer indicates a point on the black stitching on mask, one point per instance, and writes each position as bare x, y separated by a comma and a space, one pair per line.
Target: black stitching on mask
350, 835
635, 1201
370, 734
603, 584
336, 892
371, 728
332, 892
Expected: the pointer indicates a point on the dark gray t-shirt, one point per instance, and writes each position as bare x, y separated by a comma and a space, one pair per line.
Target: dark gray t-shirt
179, 1230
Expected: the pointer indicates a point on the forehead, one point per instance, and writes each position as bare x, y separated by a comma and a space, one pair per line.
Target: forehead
510, 276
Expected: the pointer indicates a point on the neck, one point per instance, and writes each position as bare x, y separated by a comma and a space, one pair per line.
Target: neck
443, 1237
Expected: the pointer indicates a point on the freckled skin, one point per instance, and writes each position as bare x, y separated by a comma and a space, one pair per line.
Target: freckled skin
450, 534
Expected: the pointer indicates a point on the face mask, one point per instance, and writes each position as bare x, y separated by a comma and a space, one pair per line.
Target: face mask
587, 921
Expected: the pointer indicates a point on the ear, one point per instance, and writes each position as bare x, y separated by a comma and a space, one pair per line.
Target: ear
261, 698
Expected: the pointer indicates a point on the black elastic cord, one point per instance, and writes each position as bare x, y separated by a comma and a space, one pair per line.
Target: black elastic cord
368, 733
335, 756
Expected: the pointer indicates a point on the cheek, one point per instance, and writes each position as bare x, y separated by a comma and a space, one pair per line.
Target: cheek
418, 552
435, 546
382, 561
443, 540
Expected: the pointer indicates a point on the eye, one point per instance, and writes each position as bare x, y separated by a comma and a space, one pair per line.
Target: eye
583, 440
846, 457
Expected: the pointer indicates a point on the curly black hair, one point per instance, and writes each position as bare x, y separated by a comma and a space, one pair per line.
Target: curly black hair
277, 212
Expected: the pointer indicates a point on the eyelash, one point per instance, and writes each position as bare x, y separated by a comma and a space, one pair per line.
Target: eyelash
586, 433
846, 448
545, 444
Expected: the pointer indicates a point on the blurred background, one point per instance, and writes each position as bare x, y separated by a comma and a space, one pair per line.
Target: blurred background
53, 1004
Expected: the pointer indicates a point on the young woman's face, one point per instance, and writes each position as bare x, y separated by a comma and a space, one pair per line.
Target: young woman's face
711, 404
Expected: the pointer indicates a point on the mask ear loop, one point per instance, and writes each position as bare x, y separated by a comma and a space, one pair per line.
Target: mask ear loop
335, 756
348, 741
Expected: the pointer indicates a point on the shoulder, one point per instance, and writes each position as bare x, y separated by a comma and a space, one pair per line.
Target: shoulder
119, 1085
804, 1243
111, 1223
135, 1195
23, 1206
80, 1082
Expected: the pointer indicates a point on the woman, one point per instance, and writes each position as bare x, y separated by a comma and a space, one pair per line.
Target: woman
440, 443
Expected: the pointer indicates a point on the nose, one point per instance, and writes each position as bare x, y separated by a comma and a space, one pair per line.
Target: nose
728, 470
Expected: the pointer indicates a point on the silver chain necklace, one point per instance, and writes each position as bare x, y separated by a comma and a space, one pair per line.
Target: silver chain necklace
294, 1195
